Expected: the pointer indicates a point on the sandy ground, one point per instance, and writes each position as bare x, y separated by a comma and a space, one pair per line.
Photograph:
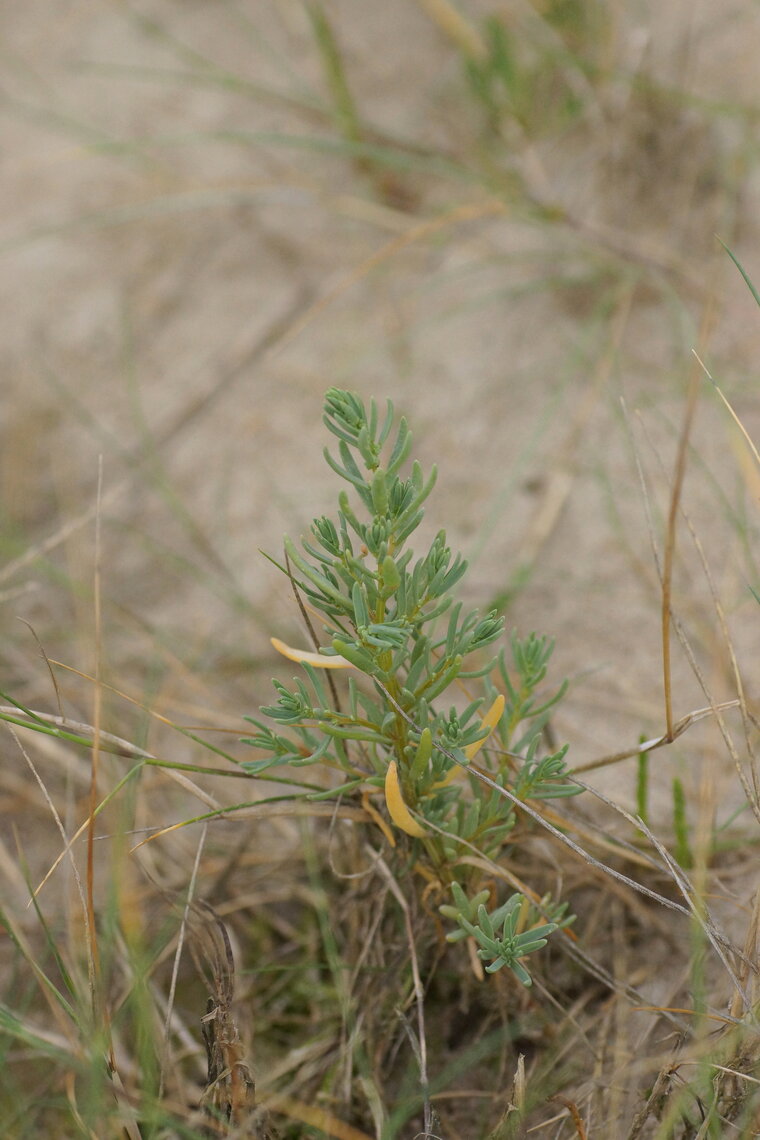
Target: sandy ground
188, 262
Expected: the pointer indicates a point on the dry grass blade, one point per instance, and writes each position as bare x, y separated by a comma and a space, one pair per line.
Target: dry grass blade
72, 1043
751, 791
66, 1038
66, 851
575, 1115
419, 993
658, 741
178, 777
95, 757
289, 809
49, 665
655, 1100
669, 551
455, 27
310, 626
747, 437
180, 943
325, 1122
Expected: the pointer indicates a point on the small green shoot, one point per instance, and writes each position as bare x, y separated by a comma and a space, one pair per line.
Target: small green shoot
642, 785
682, 847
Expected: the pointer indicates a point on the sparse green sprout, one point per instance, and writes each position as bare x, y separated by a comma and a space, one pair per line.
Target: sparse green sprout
507, 948
682, 849
464, 909
427, 709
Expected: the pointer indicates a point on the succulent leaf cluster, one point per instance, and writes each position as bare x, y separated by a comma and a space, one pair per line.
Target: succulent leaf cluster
424, 707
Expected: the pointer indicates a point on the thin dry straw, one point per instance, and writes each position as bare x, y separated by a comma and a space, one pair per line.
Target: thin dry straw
670, 547
719, 941
178, 954
753, 796
419, 993
95, 749
658, 741
734, 416
67, 850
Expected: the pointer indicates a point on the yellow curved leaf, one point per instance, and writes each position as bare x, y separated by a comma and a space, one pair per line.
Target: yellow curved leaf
304, 657
489, 721
397, 809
